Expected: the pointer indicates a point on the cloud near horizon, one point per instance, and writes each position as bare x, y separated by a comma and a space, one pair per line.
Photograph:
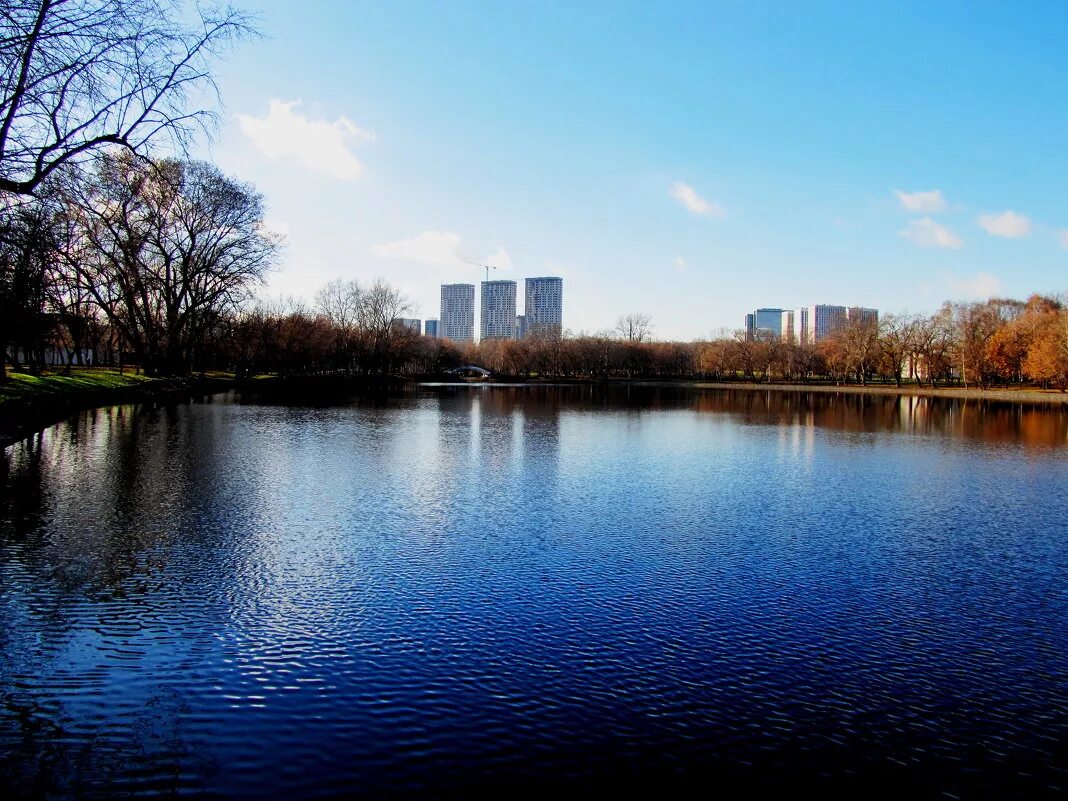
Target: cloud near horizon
687, 197
318, 145
1008, 224
438, 248
499, 259
926, 233
977, 287
930, 202
441, 248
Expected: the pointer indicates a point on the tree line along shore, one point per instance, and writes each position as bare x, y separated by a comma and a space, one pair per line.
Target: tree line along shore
351, 331
116, 250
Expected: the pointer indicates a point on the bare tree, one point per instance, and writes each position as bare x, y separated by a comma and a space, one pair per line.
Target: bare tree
340, 302
27, 252
634, 327
898, 335
382, 305
975, 325
78, 75
166, 246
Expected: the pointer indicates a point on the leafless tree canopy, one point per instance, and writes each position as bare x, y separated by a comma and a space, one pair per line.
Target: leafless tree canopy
76, 75
634, 327
162, 248
363, 321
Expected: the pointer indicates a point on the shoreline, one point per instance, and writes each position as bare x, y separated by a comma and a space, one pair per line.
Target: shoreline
24, 416
1029, 396
21, 417
1026, 396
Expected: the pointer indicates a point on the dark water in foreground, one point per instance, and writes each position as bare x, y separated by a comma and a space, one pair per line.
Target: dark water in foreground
470, 590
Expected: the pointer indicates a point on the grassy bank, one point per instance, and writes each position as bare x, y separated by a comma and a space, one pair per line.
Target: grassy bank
50, 386
29, 403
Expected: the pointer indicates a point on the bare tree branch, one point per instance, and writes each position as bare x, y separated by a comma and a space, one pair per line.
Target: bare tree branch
78, 75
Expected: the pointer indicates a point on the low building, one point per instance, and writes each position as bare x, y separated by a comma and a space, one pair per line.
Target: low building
408, 324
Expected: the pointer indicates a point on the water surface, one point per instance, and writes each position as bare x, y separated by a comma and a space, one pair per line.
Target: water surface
468, 590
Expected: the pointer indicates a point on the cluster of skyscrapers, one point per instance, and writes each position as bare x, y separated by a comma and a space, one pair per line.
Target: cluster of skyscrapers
808, 324
543, 311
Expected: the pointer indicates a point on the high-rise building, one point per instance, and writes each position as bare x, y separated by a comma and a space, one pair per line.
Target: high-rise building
520, 326
430, 328
823, 321
544, 306
764, 324
498, 310
458, 312
412, 325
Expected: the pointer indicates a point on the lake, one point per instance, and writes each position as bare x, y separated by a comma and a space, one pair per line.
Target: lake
477, 590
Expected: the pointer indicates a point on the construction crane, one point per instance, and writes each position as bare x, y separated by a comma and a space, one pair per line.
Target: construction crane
487, 266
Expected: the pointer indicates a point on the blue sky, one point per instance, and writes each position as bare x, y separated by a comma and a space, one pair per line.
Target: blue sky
689, 161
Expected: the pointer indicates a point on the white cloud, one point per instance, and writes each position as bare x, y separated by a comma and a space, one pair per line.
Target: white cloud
441, 248
930, 202
680, 263
926, 233
500, 259
437, 248
316, 145
976, 287
688, 198
1007, 224
1062, 237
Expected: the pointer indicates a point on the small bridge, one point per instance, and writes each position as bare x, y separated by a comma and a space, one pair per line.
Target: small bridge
469, 371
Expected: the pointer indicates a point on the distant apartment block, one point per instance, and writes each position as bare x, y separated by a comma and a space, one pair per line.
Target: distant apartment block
457, 320
823, 321
806, 325
498, 310
544, 306
801, 326
786, 326
520, 326
408, 323
764, 324
862, 315
430, 328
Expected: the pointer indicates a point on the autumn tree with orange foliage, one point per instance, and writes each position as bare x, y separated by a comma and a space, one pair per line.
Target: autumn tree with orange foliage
1047, 358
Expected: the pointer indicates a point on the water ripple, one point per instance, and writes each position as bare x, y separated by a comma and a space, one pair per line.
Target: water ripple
468, 593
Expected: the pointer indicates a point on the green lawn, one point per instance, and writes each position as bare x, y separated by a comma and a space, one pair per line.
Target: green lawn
54, 384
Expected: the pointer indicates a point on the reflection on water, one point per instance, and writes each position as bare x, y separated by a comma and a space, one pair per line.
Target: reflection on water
469, 589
